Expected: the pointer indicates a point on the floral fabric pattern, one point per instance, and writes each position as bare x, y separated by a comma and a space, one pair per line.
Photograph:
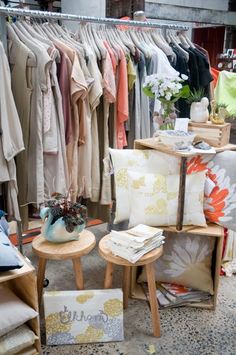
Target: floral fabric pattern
145, 161
154, 199
186, 261
220, 205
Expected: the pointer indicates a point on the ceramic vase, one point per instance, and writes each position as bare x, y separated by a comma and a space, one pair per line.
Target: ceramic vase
199, 111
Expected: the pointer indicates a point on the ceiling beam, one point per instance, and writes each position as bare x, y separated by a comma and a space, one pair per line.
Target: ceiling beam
189, 14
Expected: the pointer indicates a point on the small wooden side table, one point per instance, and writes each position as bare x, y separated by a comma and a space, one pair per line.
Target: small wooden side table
70, 250
148, 261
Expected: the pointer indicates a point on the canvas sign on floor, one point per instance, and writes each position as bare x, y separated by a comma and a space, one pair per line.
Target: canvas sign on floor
73, 317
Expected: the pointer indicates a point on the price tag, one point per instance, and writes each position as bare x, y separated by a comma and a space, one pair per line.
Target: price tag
181, 124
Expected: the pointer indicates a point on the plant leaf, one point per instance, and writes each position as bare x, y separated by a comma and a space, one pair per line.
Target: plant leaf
147, 91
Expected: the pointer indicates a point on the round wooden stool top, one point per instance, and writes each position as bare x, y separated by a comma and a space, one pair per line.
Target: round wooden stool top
106, 254
67, 250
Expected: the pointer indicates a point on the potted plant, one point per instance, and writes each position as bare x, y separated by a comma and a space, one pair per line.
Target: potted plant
199, 106
168, 89
63, 219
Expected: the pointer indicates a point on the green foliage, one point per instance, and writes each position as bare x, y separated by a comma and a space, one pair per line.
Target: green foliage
72, 213
195, 95
147, 91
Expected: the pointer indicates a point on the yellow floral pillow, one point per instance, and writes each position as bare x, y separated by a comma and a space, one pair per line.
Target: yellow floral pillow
153, 199
145, 161
186, 261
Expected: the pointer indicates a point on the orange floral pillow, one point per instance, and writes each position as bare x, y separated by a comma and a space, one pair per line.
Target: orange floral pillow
220, 204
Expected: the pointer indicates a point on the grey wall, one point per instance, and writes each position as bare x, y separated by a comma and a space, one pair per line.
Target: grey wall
203, 4
84, 8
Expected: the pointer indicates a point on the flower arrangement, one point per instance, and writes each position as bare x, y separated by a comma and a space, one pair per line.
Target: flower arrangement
72, 213
167, 89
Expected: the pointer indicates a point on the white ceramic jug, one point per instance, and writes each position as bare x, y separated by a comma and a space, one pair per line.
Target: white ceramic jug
199, 111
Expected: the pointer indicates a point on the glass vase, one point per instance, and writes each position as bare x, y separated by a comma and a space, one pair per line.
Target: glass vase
165, 119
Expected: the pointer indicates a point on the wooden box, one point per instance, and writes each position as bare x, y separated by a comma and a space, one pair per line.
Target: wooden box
213, 134
212, 231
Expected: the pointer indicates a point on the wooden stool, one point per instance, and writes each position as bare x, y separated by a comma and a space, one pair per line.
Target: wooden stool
54, 251
148, 261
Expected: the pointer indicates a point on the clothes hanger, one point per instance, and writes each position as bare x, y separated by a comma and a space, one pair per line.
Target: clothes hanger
183, 41
20, 26
37, 27
98, 41
176, 44
12, 36
147, 44
121, 43
139, 44
126, 40
31, 30
161, 43
106, 33
48, 32
90, 40
187, 39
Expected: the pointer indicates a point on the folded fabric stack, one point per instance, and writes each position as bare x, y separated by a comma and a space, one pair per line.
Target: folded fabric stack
16, 337
132, 244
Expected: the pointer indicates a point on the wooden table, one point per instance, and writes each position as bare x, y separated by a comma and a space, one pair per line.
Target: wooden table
148, 261
62, 251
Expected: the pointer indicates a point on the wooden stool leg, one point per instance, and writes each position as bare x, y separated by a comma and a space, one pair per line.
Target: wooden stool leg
153, 299
108, 275
40, 277
78, 273
126, 285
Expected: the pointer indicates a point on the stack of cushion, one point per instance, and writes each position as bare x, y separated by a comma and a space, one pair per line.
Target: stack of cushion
15, 336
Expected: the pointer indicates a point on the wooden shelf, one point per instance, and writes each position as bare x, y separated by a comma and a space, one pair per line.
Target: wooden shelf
12, 274
23, 282
153, 143
212, 230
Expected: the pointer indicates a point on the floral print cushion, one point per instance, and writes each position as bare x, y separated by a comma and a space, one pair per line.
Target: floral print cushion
220, 204
186, 261
153, 199
145, 161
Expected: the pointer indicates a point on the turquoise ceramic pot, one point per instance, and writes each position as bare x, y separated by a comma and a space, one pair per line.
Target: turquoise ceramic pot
56, 232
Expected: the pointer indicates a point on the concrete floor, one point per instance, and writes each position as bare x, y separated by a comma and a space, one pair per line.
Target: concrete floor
184, 330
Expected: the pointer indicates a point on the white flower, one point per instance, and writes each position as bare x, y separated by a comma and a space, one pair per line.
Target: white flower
164, 86
184, 77
184, 255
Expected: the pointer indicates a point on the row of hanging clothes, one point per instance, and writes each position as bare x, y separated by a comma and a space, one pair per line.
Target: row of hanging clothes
77, 94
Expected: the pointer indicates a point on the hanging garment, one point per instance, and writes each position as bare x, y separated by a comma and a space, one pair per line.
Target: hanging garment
225, 91
11, 138
22, 60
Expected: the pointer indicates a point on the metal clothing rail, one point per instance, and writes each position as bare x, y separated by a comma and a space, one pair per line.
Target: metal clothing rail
70, 17
60, 16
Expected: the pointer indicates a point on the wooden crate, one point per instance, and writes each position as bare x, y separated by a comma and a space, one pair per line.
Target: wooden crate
213, 231
213, 134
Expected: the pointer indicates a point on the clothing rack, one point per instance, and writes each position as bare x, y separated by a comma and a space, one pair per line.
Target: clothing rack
7, 11
100, 20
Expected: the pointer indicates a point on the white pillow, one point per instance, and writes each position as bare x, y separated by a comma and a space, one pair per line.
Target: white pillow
17, 340
145, 161
154, 199
13, 311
